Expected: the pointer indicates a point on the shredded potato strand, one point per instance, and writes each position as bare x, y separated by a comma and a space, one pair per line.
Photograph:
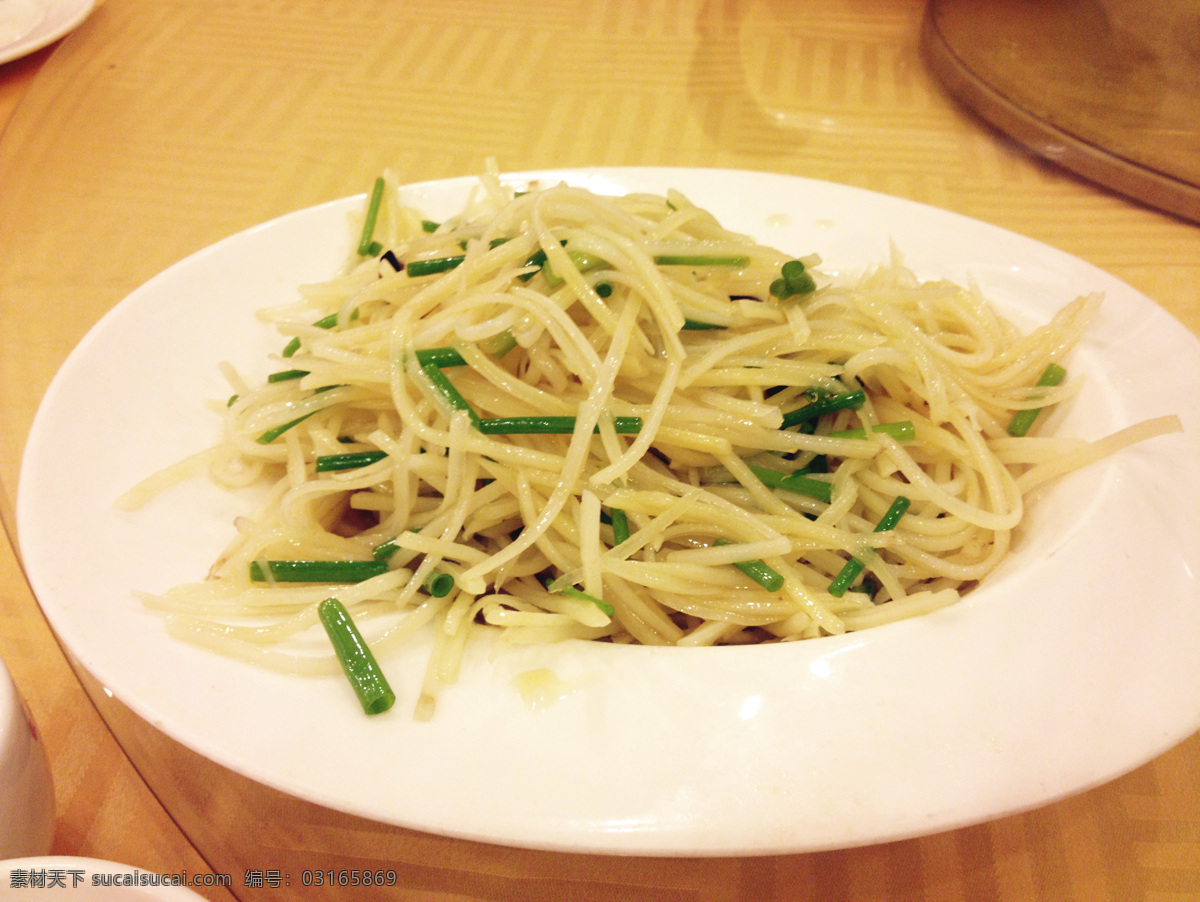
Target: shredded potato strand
606, 311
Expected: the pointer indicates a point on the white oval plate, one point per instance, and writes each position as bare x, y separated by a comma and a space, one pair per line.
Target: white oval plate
29, 25
1077, 661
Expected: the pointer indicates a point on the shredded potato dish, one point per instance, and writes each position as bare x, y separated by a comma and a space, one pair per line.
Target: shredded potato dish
561, 415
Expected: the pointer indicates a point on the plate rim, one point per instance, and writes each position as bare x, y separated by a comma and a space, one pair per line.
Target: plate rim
595, 842
60, 18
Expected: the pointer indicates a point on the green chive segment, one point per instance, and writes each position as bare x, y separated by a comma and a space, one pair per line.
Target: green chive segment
538, 259
498, 345
366, 246
581, 261
325, 322
901, 431
327, 463
449, 393
1023, 419
824, 405
701, 260
620, 525
552, 425
798, 482
578, 595
271, 434
767, 577
434, 266
854, 566
316, 571
439, 584
440, 357
286, 375
385, 550
359, 665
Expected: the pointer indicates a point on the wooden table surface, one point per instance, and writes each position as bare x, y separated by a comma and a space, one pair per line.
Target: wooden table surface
160, 126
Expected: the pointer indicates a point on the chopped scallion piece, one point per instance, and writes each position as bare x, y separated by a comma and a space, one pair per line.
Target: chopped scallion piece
359, 665
286, 375
819, 464
498, 345
385, 550
821, 406
432, 267
572, 592
428, 225
549, 425
701, 260
327, 463
439, 584
901, 431
767, 577
538, 259
317, 571
439, 357
327, 322
271, 434
854, 566
893, 514
367, 247
582, 262
797, 482
447, 390
1023, 419
845, 577
696, 325
620, 525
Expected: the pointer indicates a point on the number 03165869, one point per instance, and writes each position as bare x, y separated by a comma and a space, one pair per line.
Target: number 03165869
348, 878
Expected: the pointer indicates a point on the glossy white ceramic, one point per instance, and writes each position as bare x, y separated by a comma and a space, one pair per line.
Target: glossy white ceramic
63, 877
26, 785
1078, 660
29, 25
